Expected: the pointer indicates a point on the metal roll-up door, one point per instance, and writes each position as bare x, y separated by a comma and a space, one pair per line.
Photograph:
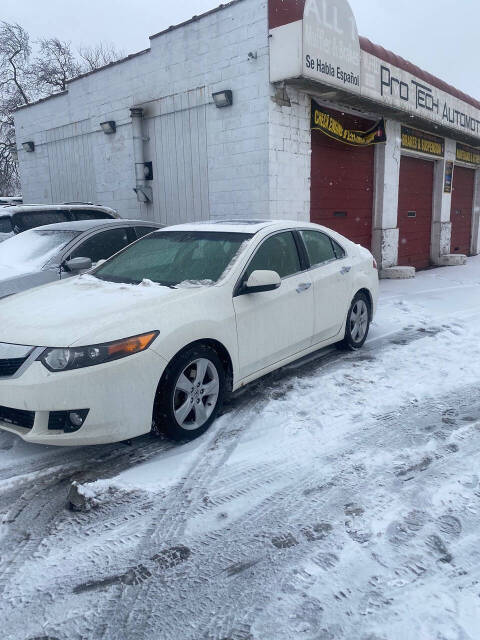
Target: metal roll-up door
415, 206
461, 212
342, 184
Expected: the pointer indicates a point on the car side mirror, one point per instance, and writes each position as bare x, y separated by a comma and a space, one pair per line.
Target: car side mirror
78, 264
260, 281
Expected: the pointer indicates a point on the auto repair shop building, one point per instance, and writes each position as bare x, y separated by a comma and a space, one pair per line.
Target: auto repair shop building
268, 109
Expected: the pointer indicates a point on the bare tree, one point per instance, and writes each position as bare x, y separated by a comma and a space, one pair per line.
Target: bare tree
23, 80
15, 89
54, 65
98, 56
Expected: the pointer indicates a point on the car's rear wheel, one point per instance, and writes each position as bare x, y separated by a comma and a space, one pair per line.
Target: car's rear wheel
358, 323
190, 394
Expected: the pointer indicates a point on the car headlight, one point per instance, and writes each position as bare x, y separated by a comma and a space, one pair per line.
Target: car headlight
78, 357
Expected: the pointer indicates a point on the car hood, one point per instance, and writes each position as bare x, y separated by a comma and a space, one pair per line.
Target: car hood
85, 310
7, 272
16, 279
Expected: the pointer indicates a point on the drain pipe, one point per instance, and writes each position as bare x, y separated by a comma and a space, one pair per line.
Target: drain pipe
144, 192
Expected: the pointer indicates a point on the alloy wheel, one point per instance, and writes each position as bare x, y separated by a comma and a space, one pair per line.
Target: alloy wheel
196, 394
359, 321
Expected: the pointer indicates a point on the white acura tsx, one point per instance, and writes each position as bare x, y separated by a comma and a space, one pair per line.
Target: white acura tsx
160, 332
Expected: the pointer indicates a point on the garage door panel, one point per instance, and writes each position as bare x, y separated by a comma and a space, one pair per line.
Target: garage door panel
342, 183
415, 204
461, 211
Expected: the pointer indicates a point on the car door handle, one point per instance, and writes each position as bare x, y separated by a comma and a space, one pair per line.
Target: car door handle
303, 286
345, 270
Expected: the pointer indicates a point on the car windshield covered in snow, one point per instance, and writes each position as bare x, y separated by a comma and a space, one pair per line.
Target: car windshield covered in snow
174, 257
34, 247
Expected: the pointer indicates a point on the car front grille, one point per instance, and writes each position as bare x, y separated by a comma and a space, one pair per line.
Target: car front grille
12, 357
10, 366
17, 417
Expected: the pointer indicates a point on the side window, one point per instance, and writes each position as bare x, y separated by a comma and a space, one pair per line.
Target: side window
278, 253
102, 245
142, 231
32, 219
339, 251
6, 225
89, 214
319, 247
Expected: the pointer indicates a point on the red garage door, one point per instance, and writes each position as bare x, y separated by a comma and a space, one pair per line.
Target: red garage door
461, 213
342, 183
415, 203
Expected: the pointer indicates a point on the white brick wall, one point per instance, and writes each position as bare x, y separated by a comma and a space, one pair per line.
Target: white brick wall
209, 53
290, 156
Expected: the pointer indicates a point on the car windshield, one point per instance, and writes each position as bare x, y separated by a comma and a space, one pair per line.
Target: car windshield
35, 247
174, 257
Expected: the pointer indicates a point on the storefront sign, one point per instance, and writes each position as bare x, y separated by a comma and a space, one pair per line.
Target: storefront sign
320, 43
415, 140
468, 154
447, 183
323, 121
331, 49
398, 88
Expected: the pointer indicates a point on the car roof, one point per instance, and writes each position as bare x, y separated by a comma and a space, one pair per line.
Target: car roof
232, 226
244, 226
264, 227
86, 225
10, 209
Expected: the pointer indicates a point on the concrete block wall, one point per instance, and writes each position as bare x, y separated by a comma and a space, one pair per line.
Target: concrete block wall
210, 53
290, 154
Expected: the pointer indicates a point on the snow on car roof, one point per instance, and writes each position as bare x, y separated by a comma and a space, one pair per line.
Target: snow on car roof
233, 226
85, 225
10, 209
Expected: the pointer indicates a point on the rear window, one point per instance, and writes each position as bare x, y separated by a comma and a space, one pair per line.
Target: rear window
31, 219
87, 214
142, 231
6, 225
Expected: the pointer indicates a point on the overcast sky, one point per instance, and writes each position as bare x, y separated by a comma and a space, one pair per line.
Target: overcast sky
440, 36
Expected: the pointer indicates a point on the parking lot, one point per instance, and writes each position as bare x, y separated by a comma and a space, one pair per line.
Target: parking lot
336, 498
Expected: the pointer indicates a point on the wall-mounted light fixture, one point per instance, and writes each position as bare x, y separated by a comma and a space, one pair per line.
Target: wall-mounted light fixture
223, 98
109, 126
28, 146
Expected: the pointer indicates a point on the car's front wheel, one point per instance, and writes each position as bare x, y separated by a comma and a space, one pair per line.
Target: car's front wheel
190, 394
358, 323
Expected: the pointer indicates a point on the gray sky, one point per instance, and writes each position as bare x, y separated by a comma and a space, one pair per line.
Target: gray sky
437, 35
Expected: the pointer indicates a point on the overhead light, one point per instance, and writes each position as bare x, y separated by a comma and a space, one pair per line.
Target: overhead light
28, 146
223, 98
109, 126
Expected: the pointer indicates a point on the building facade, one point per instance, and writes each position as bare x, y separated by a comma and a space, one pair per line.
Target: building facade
268, 109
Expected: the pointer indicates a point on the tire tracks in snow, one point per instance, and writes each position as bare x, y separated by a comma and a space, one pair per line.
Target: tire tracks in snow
186, 501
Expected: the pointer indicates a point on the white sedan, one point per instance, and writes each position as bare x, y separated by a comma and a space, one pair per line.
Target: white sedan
159, 333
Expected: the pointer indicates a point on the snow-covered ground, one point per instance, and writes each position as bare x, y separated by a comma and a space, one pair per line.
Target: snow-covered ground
337, 499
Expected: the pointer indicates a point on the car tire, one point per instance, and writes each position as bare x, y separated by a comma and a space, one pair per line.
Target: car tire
190, 394
358, 323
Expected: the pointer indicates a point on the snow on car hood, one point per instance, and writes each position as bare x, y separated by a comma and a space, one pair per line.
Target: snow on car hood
84, 310
7, 272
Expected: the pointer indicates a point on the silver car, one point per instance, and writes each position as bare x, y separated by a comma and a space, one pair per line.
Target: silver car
16, 218
57, 251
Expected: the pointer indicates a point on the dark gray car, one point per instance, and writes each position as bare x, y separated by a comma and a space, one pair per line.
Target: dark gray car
56, 251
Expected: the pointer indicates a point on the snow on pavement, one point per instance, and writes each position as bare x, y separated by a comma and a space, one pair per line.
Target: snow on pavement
336, 499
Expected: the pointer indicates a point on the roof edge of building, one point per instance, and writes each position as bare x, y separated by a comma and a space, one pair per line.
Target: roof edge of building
365, 44
84, 75
173, 27
397, 61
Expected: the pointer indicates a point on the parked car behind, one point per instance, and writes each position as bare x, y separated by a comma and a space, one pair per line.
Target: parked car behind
58, 251
164, 329
10, 200
18, 218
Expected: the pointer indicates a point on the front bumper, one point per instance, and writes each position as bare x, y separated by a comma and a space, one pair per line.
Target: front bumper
118, 394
